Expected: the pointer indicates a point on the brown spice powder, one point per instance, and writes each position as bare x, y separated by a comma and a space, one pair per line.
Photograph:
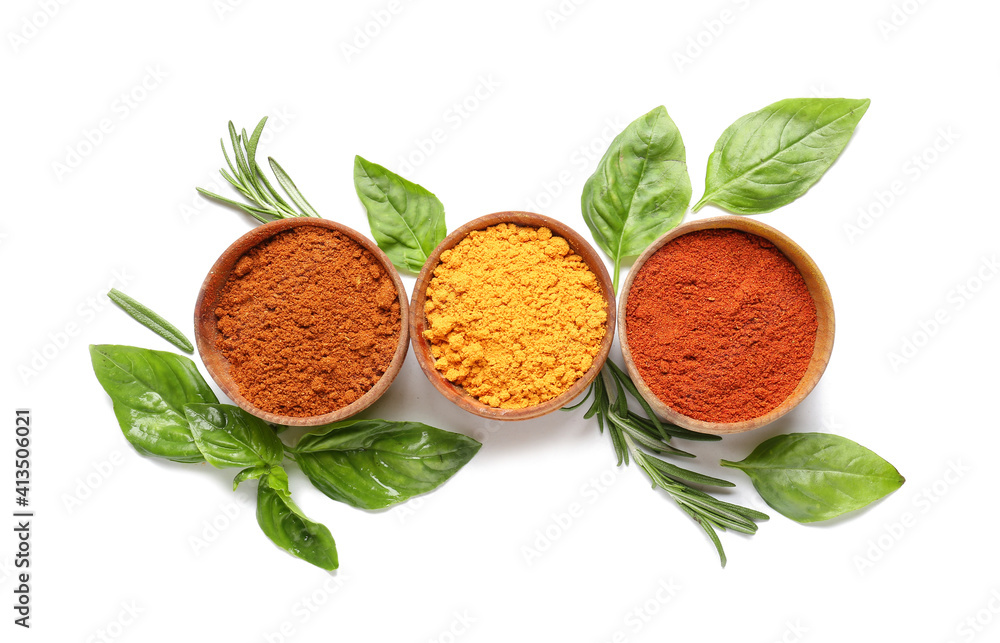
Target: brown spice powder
721, 325
309, 321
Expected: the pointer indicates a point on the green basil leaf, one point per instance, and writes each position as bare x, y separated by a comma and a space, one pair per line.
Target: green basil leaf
251, 473
769, 158
640, 189
287, 527
277, 479
228, 436
376, 463
817, 476
406, 220
149, 390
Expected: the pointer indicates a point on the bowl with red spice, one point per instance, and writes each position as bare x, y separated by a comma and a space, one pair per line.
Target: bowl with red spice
302, 322
726, 324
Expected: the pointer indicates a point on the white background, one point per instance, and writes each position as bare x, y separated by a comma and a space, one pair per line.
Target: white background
116, 533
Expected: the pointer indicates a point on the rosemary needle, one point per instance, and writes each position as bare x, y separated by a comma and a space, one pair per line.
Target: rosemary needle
151, 320
636, 437
249, 180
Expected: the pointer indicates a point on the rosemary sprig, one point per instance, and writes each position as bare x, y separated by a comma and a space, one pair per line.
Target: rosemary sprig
151, 320
638, 437
249, 180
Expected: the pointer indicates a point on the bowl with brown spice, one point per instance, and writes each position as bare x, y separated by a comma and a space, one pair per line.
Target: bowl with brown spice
725, 324
302, 322
512, 316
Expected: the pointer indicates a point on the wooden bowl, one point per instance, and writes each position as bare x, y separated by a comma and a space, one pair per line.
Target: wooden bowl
824, 331
418, 320
206, 332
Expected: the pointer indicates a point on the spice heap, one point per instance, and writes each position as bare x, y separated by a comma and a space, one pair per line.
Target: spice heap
721, 325
309, 321
514, 316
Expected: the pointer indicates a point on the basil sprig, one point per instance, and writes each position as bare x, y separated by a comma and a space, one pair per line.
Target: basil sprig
406, 220
228, 436
148, 390
285, 524
771, 157
810, 477
166, 409
251, 473
373, 464
640, 188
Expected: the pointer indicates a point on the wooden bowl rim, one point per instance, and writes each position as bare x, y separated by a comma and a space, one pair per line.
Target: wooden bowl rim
418, 320
206, 330
816, 285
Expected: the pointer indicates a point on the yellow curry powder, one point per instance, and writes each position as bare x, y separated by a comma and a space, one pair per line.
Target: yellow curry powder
514, 316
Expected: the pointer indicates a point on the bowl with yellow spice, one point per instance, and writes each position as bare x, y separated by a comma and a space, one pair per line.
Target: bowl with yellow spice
512, 316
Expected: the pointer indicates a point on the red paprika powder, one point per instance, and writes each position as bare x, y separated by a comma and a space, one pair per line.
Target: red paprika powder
721, 325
